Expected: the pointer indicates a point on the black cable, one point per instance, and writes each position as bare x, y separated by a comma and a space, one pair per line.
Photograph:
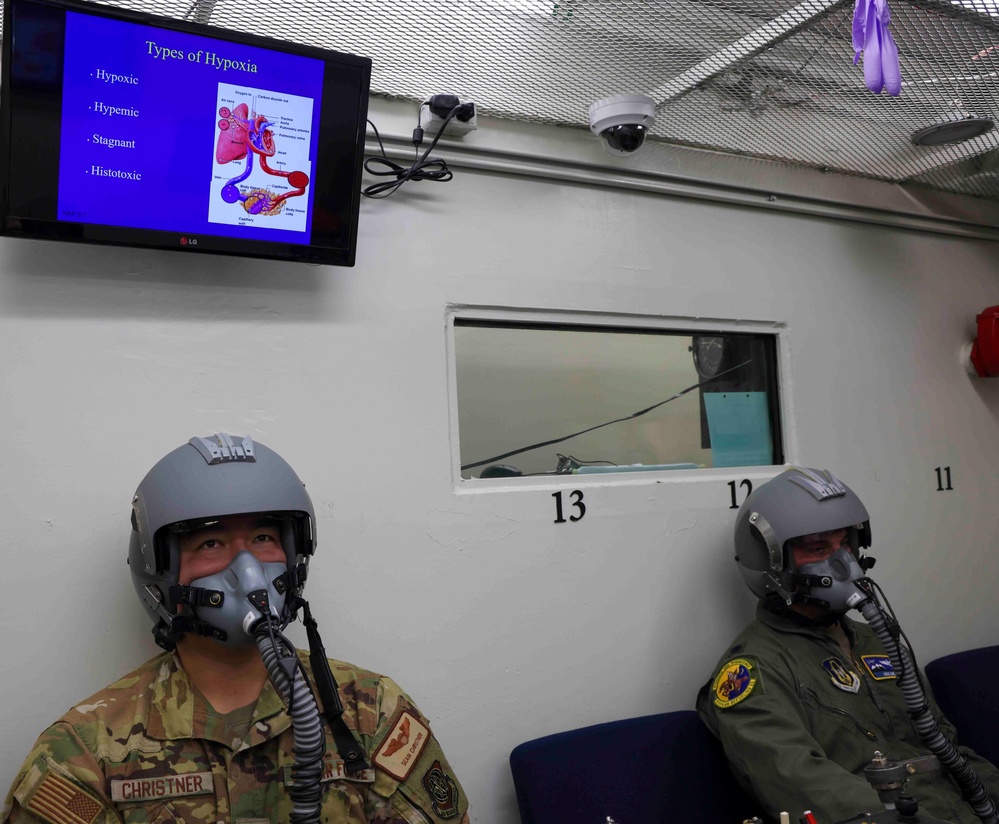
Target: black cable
581, 462
899, 634
423, 168
607, 423
346, 741
894, 628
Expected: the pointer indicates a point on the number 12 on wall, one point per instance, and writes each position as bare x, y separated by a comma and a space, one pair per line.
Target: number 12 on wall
745, 484
577, 502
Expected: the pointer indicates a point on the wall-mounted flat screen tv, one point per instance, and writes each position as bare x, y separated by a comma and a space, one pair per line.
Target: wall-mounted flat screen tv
124, 128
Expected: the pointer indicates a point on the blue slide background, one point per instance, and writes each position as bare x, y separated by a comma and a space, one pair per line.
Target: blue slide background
175, 131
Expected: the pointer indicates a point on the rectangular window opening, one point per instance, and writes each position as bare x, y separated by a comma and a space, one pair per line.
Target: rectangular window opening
558, 399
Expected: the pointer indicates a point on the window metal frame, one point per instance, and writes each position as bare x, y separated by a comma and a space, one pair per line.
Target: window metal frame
470, 315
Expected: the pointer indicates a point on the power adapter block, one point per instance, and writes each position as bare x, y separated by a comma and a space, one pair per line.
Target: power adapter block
437, 107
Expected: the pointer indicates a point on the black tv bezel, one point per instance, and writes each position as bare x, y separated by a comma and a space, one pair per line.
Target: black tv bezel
55, 229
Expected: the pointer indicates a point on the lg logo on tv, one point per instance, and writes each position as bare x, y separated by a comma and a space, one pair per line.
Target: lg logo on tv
188, 241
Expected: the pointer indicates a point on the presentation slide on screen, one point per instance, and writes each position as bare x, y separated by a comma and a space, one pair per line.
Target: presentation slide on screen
263, 137
172, 131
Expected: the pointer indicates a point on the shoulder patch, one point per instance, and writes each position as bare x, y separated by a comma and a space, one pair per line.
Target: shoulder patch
60, 801
442, 790
735, 682
401, 748
879, 666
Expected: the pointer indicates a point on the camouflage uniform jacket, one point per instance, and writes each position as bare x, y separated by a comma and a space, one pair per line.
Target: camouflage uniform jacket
799, 720
145, 750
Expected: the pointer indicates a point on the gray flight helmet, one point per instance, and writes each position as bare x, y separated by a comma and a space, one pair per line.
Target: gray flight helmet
204, 480
799, 501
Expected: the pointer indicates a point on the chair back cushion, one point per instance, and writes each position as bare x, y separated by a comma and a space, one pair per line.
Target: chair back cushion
649, 770
964, 685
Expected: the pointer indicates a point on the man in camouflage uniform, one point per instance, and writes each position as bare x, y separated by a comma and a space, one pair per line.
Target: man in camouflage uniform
804, 697
199, 733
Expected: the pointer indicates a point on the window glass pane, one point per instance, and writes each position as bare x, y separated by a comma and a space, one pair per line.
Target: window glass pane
631, 399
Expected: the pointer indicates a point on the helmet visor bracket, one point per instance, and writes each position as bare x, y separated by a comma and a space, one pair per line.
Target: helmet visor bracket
775, 550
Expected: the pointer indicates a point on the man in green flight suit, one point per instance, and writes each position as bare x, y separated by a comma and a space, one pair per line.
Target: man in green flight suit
804, 697
224, 726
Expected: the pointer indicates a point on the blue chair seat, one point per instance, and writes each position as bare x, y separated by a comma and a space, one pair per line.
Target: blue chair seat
964, 685
649, 770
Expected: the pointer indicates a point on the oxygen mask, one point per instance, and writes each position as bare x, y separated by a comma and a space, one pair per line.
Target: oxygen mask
832, 582
239, 596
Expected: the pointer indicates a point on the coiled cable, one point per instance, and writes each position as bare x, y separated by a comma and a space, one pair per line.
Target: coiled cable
286, 674
954, 761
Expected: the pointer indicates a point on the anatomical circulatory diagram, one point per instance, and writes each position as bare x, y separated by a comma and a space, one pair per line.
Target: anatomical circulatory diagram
243, 136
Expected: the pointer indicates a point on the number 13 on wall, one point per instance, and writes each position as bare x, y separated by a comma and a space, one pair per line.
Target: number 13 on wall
577, 502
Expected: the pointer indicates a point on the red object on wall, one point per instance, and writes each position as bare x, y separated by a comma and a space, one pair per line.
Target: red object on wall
985, 350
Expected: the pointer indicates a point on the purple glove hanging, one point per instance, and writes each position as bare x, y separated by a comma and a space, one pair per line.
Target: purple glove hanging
872, 37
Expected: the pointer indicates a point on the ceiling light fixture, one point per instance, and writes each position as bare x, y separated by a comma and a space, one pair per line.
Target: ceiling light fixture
954, 128
990, 7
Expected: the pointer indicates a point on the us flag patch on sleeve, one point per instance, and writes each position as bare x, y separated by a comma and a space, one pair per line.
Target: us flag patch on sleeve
58, 800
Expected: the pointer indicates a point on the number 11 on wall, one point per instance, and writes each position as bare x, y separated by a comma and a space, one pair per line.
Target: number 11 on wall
943, 479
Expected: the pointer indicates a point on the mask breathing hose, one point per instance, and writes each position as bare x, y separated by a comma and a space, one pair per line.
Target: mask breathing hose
964, 775
286, 674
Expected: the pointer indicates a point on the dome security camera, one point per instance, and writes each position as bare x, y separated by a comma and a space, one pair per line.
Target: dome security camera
622, 121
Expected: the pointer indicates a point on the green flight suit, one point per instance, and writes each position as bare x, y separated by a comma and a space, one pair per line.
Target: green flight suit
150, 749
799, 720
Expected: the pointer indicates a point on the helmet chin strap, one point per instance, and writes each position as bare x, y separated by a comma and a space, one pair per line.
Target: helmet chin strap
329, 694
170, 628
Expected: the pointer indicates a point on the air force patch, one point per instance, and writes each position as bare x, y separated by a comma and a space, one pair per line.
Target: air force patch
737, 679
879, 666
842, 678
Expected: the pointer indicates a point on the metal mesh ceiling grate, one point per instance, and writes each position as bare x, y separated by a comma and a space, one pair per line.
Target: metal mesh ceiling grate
767, 79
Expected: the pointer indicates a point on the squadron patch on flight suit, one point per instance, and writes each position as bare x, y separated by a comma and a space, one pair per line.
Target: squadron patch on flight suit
843, 678
401, 748
736, 680
879, 666
442, 790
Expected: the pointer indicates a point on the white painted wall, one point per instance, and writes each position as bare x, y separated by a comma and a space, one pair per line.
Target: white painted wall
502, 625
